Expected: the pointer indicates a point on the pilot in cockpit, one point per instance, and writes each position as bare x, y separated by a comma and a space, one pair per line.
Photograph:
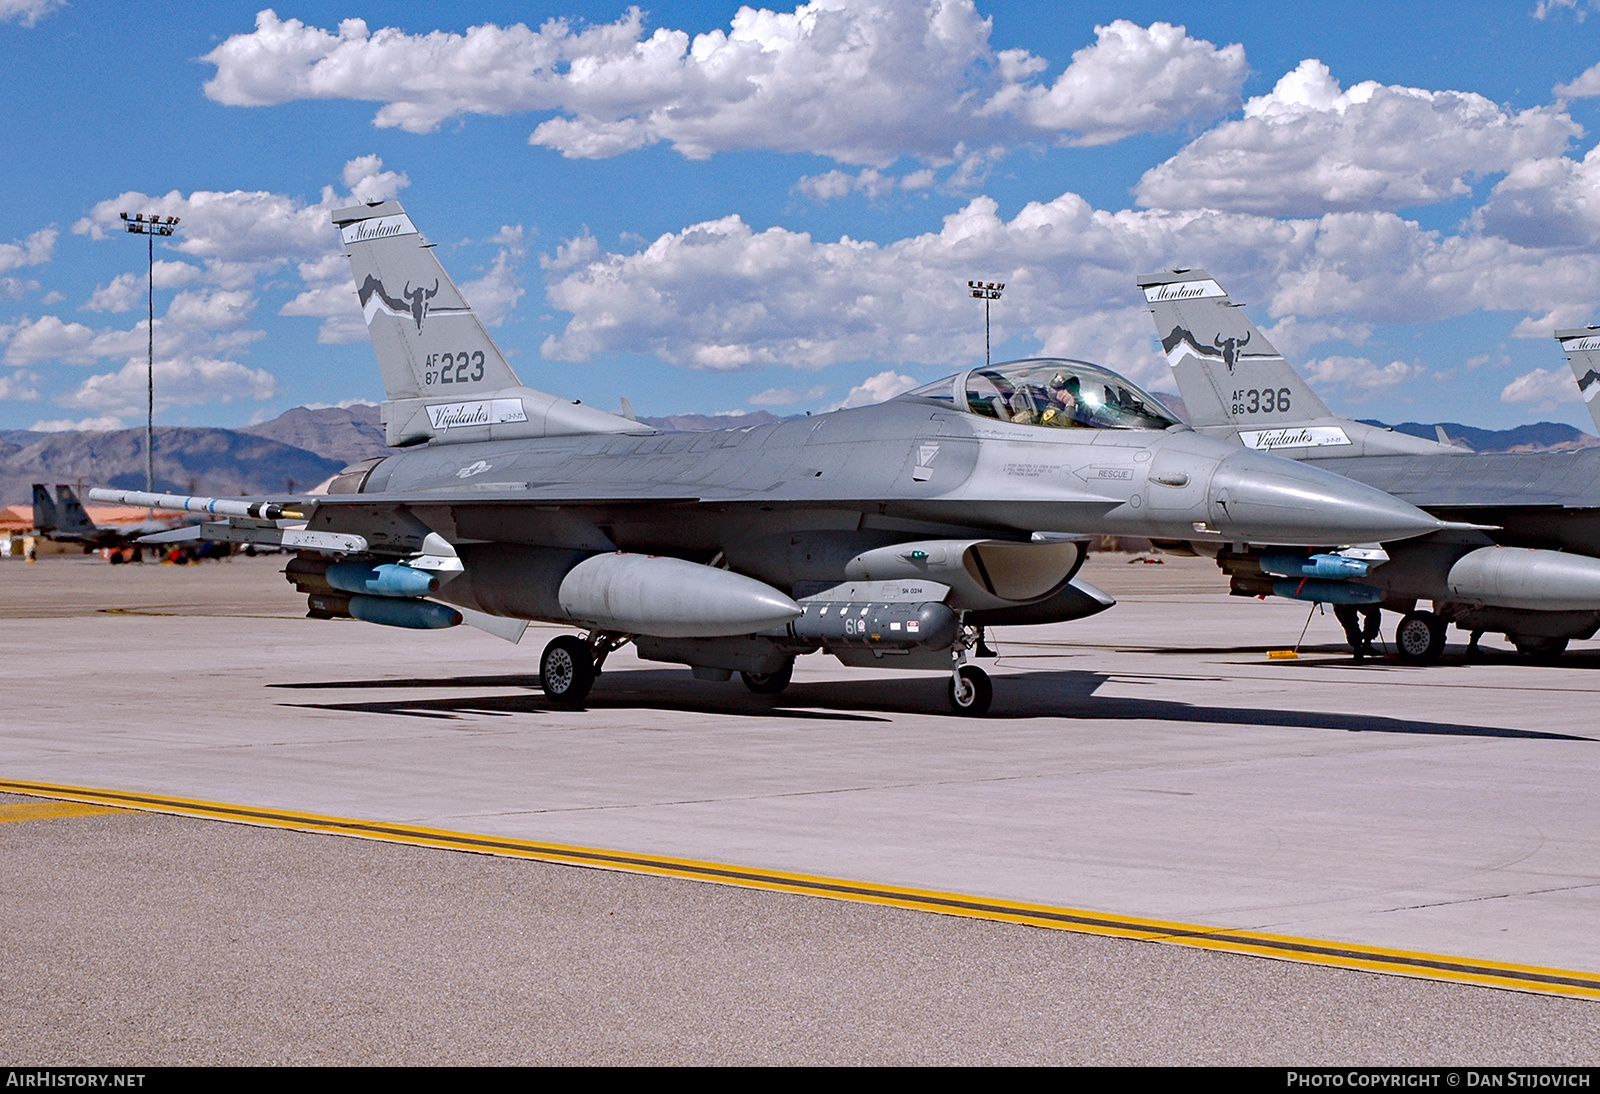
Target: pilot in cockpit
1061, 408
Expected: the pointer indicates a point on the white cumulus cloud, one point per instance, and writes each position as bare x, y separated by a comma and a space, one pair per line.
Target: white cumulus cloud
28, 12
33, 251
876, 389
105, 423
1359, 377
860, 81
181, 381
722, 296
1547, 388
1308, 147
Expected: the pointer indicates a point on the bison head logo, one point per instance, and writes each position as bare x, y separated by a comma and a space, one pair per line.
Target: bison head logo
1230, 348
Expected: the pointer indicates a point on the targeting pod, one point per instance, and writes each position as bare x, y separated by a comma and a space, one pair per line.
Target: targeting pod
840, 623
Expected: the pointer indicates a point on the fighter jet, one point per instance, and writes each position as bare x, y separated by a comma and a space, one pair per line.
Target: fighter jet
1528, 571
887, 535
64, 520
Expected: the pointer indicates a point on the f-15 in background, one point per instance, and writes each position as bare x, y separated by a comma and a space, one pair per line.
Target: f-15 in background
63, 519
1529, 572
885, 535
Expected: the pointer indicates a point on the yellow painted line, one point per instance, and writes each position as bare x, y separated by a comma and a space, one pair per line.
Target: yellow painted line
48, 810
1533, 978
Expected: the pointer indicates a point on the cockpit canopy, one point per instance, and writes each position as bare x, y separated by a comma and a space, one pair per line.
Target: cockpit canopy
1052, 392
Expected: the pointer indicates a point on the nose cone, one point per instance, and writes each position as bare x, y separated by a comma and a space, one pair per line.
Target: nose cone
1269, 499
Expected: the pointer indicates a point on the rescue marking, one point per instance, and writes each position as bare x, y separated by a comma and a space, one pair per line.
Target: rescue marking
1531, 978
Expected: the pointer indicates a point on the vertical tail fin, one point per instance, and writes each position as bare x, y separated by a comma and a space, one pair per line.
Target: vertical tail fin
70, 512
1236, 384
1582, 347
445, 377
44, 509
1228, 371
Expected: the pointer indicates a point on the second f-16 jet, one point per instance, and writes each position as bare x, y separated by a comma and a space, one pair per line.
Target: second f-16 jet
887, 535
1528, 571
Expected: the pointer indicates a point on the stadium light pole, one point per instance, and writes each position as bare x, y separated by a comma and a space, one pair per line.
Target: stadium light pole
150, 227
986, 291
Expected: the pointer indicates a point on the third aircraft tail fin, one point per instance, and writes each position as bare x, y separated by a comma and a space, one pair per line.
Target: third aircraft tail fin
1582, 347
70, 514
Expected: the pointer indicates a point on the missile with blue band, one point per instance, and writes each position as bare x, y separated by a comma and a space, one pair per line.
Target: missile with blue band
180, 503
386, 579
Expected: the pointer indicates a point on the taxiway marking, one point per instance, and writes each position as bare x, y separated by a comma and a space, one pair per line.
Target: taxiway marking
1348, 955
49, 810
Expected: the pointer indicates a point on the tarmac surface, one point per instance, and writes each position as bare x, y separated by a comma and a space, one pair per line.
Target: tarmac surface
1149, 762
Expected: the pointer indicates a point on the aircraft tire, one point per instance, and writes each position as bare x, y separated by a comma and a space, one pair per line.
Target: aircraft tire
566, 670
1544, 651
769, 683
1419, 639
975, 695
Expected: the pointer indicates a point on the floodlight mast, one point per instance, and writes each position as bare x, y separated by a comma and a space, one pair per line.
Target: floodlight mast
986, 291
150, 227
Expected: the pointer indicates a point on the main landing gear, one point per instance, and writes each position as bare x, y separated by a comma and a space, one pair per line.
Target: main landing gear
569, 665
1419, 639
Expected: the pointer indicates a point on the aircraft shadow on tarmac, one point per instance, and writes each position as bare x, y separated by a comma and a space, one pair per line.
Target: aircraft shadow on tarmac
1037, 694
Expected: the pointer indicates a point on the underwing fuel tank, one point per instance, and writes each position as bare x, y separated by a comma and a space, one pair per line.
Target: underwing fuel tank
1519, 577
669, 598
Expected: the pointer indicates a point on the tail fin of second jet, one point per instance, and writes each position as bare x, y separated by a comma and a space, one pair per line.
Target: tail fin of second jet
1582, 347
44, 509
1229, 373
1235, 383
445, 377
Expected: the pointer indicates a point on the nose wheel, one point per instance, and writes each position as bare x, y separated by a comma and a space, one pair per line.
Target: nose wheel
970, 691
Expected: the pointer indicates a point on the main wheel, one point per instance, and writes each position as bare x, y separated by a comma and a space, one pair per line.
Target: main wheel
1546, 651
1419, 639
566, 670
769, 683
975, 693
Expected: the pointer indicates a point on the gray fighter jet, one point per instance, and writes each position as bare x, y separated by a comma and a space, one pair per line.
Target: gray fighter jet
886, 535
63, 519
1528, 572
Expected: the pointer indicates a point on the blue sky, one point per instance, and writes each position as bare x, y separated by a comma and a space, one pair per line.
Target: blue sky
711, 210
